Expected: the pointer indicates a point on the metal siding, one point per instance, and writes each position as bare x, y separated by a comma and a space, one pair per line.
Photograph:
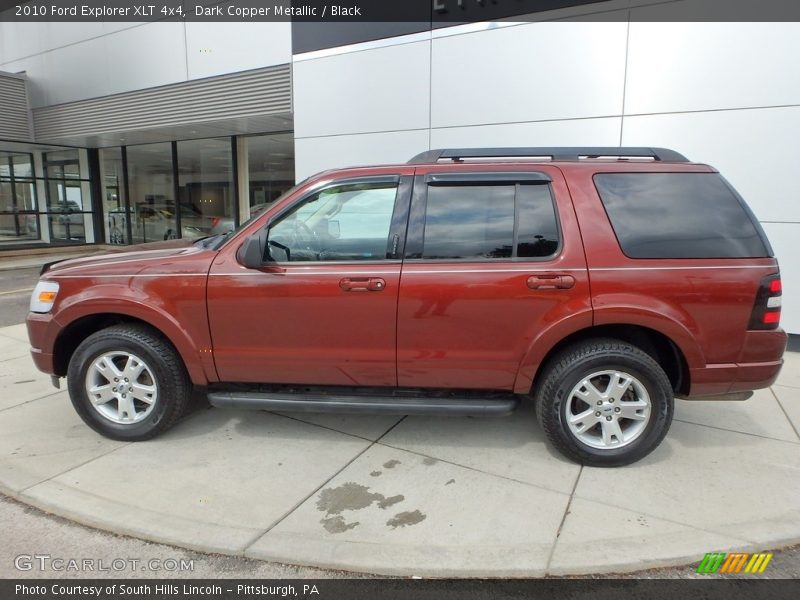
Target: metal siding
14, 110
260, 92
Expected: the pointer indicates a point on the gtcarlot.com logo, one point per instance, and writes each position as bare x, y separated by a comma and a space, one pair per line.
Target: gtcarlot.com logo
736, 562
46, 562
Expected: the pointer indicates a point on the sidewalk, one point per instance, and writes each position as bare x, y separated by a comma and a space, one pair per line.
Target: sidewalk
411, 496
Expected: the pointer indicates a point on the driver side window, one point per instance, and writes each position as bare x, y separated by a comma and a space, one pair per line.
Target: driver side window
347, 222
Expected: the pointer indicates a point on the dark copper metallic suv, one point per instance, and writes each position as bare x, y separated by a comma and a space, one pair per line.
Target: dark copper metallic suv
597, 282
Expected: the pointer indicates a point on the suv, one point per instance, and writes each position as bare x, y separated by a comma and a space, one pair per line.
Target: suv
599, 283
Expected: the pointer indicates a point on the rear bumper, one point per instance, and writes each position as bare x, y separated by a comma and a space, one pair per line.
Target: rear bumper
722, 379
759, 365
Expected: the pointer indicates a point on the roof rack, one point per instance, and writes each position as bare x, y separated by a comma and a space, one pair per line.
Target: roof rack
556, 153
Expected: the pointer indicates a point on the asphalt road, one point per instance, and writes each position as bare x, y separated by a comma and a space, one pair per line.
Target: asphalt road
15, 294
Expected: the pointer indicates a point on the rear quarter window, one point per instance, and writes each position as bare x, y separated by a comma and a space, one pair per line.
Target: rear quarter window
679, 215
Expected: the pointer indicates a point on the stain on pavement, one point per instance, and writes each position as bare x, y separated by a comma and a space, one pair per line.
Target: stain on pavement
348, 496
387, 502
404, 519
337, 524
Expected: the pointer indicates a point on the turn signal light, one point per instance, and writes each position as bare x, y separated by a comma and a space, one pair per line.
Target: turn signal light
44, 296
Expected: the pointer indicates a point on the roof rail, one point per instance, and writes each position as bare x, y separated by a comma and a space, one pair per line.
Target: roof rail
556, 153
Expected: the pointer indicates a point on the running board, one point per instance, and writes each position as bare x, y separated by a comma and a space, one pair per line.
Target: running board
353, 404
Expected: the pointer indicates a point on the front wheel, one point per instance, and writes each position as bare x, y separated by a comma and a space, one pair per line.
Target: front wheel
128, 383
604, 403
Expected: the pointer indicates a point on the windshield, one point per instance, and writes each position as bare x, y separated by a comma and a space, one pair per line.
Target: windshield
215, 242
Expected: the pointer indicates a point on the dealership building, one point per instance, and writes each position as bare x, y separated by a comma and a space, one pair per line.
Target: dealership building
123, 132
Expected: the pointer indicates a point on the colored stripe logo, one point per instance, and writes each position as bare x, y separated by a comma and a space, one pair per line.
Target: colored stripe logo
735, 562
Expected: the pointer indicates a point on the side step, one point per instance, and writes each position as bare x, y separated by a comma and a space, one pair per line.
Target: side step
495, 406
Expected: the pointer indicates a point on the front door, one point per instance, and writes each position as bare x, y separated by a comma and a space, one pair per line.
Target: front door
323, 309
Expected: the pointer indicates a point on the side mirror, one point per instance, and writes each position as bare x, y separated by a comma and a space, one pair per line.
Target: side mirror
251, 253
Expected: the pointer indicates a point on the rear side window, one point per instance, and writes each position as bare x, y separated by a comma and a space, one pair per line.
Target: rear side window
478, 222
679, 215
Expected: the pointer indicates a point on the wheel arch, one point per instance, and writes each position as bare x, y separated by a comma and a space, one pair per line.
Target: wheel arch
662, 348
81, 327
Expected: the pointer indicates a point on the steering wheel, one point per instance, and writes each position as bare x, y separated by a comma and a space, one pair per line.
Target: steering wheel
309, 238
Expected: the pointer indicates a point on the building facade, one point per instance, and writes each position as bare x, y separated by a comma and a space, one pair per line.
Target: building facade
129, 132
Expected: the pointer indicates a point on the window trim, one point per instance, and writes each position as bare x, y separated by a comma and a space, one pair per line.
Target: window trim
419, 205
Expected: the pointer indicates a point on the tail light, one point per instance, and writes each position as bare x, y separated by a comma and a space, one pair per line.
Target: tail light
767, 308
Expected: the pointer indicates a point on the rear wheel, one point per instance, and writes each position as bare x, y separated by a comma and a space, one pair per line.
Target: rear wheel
604, 403
128, 383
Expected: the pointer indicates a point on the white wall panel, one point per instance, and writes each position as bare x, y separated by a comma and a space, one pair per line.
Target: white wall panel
528, 72
578, 132
18, 40
313, 155
384, 89
698, 66
785, 240
219, 48
756, 150
143, 57
21, 40
129, 59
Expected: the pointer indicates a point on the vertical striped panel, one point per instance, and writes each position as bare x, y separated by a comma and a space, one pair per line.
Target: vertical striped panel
15, 114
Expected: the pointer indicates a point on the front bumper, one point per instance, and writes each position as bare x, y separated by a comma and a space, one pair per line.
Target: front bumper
42, 339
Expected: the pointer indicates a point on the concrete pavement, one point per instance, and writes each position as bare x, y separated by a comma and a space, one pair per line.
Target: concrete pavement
414, 495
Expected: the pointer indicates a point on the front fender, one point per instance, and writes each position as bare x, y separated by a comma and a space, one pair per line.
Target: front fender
181, 317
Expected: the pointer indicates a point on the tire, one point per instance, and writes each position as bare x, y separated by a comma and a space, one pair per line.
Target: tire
152, 399
578, 411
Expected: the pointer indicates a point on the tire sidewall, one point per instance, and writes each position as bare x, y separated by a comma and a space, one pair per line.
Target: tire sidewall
661, 408
79, 365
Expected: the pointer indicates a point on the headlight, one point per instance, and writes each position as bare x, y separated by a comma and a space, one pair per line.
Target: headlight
44, 296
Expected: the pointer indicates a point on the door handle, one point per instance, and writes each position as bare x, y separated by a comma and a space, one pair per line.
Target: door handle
362, 284
551, 281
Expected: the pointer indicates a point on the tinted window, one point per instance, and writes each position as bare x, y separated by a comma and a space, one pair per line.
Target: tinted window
678, 215
537, 229
477, 222
349, 222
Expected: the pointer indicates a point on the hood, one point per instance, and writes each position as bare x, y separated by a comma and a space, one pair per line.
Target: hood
138, 258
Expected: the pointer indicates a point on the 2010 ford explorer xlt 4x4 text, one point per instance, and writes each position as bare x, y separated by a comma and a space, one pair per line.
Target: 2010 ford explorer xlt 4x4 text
599, 283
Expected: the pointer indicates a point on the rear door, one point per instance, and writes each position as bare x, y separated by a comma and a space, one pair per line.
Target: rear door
492, 259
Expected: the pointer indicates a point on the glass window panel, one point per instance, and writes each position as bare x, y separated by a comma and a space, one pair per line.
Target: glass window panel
63, 164
152, 193
23, 165
206, 190
537, 229
349, 222
469, 221
678, 215
113, 190
270, 168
